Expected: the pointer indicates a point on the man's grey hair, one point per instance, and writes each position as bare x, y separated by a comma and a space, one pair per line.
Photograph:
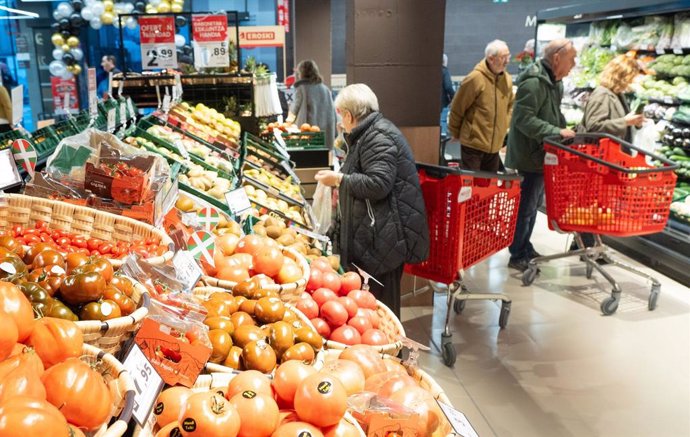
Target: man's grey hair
358, 99
445, 60
555, 46
495, 47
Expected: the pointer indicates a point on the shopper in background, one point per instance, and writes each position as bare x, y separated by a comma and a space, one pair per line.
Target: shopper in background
109, 65
526, 57
480, 111
537, 114
313, 102
447, 93
608, 112
381, 221
5, 111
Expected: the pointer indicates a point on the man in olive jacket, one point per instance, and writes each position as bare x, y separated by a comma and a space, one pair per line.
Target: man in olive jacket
480, 111
537, 114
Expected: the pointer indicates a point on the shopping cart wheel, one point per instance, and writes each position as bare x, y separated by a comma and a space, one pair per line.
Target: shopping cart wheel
505, 313
448, 350
529, 275
653, 297
609, 306
458, 306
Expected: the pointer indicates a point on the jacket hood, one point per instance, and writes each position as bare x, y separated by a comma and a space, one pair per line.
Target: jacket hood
483, 68
362, 126
537, 70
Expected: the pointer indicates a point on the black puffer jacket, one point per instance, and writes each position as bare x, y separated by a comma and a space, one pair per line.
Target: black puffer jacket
382, 216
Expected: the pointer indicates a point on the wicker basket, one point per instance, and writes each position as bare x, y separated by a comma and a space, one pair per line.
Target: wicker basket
111, 334
18, 209
121, 386
204, 292
217, 381
288, 292
390, 325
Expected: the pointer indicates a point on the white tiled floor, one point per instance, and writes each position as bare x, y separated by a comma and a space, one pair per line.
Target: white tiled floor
560, 368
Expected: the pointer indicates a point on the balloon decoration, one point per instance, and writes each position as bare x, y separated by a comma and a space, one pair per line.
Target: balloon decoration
70, 16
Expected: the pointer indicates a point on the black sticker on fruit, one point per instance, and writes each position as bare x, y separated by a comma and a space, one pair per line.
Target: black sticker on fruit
189, 424
248, 394
324, 387
175, 432
305, 434
159, 408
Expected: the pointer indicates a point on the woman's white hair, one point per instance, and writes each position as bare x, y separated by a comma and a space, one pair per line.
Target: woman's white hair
358, 99
495, 47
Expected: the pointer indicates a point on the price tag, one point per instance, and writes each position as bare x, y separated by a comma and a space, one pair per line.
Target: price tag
678, 51
66, 102
9, 174
166, 103
177, 89
191, 219
186, 269
158, 95
120, 87
550, 159
181, 149
147, 383
111, 120
614, 48
110, 83
668, 100
660, 51
310, 234
280, 142
458, 421
93, 96
123, 113
157, 36
17, 104
211, 54
130, 106
210, 40
237, 201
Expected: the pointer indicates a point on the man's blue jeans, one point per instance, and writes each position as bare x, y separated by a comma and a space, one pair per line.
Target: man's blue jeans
531, 198
444, 120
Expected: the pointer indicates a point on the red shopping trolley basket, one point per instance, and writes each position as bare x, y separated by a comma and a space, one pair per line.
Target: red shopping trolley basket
600, 184
471, 216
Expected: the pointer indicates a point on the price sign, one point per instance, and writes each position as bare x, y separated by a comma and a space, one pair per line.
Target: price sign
111, 120
147, 383
210, 40
123, 113
660, 51
182, 149
9, 175
110, 83
17, 104
237, 201
93, 96
186, 269
157, 35
65, 103
458, 421
310, 234
166, 103
678, 51
130, 106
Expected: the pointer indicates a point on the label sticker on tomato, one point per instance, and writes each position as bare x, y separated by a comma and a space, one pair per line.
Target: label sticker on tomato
189, 424
324, 387
201, 245
248, 394
147, 383
8, 268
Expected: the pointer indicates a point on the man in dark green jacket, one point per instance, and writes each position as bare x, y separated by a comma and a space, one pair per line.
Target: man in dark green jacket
536, 115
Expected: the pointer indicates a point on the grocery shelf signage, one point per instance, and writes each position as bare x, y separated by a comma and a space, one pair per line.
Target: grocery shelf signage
157, 35
210, 40
64, 90
260, 36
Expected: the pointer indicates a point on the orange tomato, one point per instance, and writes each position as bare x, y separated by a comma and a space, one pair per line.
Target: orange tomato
232, 273
31, 417
27, 359
288, 376
209, 415
169, 405
243, 260
348, 373
15, 304
250, 244
268, 261
321, 400
259, 413
227, 243
297, 429
55, 340
252, 380
289, 272
22, 381
8, 335
170, 430
342, 429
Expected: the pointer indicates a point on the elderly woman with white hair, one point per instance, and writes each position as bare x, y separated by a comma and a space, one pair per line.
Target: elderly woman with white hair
381, 221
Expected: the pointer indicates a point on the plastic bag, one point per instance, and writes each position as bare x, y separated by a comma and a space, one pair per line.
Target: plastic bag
646, 137
323, 208
681, 31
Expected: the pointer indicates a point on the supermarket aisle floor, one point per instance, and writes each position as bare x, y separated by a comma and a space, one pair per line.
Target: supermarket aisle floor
560, 368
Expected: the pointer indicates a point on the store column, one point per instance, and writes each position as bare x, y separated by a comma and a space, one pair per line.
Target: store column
395, 47
312, 33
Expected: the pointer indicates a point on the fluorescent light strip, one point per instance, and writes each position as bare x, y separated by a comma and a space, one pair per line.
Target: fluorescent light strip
21, 15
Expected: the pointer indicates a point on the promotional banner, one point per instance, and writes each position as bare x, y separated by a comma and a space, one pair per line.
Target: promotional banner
157, 36
260, 36
210, 41
64, 90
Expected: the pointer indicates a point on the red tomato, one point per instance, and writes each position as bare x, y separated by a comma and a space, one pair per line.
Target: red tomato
331, 280
321, 400
315, 279
297, 429
321, 327
347, 335
322, 264
268, 261
93, 243
63, 241
259, 413
22, 381
350, 305
209, 415
288, 376
361, 324
374, 337
373, 317
18, 230
105, 248
79, 242
308, 307
323, 295
31, 239
363, 299
350, 281
334, 313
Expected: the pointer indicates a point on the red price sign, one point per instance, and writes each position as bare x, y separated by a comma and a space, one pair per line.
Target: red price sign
157, 35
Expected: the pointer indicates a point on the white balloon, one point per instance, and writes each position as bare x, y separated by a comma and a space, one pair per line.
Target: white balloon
57, 68
155, 3
89, 2
96, 23
65, 9
57, 15
131, 23
67, 75
87, 13
77, 53
180, 40
57, 54
98, 8
129, 7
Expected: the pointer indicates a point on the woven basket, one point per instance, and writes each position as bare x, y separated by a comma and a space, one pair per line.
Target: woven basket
390, 325
218, 381
204, 292
288, 292
111, 334
122, 387
18, 209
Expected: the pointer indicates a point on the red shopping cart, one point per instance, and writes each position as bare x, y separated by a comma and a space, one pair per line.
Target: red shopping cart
602, 185
471, 216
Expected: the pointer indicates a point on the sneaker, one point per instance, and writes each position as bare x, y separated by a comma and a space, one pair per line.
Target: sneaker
519, 264
534, 254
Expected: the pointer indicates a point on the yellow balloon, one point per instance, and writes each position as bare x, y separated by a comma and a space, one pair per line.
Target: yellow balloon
73, 41
65, 48
76, 69
163, 7
178, 2
57, 39
108, 5
150, 9
107, 18
176, 8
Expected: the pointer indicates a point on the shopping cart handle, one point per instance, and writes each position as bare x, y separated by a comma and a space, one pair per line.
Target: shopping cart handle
440, 172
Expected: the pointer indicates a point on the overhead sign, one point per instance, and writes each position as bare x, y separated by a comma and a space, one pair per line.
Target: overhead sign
157, 35
210, 40
260, 36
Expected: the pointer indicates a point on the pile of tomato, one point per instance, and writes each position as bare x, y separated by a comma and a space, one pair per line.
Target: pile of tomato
45, 388
67, 242
73, 286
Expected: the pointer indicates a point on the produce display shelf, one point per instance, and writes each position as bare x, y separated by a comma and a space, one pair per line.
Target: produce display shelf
274, 191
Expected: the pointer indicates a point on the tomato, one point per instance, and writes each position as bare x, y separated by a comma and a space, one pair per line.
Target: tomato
169, 404
12, 244
346, 335
250, 244
334, 313
323, 295
45, 237
22, 381
35, 293
105, 309
374, 337
321, 400
363, 299
32, 239
25, 358
289, 272
350, 281
302, 352
331, 280
232, 273
105, 248
321, 263
93, 243
308, 307
423, 403
8, 335
227, 243
321, 327
170, 430
342, 429
75, 260
308, 335
288, 376
259, 355
234, 359
63, 241
18, 230
269, 310
123, 284
361, 324
59, 310
82, 288
31, 417
55, 340
99, 265
297, 429
126, 305
259, 413
315, 279
79, 242
348, 373
49, 277
11, 267
80, 392
249, 380
221, 342
15, 304
240, 318
370, 362
209, 415
373, 317
268, 261
396, 383
75, 432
